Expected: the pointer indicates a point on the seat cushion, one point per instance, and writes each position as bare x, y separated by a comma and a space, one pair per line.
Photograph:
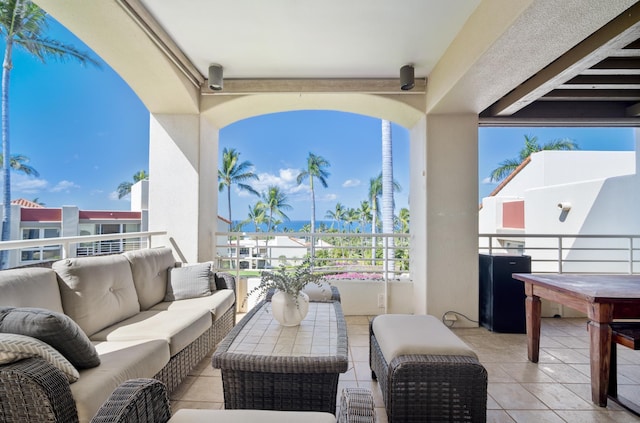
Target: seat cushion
55, 329
243, 416
149, 269
177, 328
218, 303
402, 334
31, 287
120, 361
97, 291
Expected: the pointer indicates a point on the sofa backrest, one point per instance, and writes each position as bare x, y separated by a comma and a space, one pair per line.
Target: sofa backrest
150, 269
98, 291
30, 287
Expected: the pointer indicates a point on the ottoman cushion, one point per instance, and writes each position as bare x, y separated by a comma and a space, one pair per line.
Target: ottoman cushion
402, 334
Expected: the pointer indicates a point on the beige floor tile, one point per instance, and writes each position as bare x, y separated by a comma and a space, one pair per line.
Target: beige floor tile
512, 396
557, 397
535, 416
557, 389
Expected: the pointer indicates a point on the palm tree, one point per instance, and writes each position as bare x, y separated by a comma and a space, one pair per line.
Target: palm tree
19, 162
257, 215
275, 202
23, 24
124, 188
233, 172
403, 220
375, 191
337, 215
531, 146
316, 168
364, 212
387, 194
350, 216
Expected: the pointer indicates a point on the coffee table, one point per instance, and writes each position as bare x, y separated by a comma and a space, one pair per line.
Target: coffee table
268, 366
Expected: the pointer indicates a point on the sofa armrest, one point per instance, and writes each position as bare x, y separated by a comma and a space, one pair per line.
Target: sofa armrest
136, 401
226, 280
356, 406
34, 390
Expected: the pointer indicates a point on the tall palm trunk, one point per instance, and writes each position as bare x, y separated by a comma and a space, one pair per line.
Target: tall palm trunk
374, 223
6, 200
229, 203
387, 197
312, 239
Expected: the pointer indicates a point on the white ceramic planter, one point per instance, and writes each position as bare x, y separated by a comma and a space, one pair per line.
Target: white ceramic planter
286, 311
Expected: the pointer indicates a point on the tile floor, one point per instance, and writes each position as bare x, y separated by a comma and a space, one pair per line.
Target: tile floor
556, 389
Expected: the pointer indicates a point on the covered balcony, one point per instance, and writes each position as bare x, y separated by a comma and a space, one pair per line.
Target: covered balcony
477, 62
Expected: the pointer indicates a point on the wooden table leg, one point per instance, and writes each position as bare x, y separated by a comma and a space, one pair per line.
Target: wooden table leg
533, 308
600, 352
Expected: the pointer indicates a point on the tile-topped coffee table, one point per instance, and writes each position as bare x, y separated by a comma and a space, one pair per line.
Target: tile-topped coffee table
269, 366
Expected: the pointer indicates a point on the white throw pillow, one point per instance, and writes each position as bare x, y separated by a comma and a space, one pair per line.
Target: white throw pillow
18, 347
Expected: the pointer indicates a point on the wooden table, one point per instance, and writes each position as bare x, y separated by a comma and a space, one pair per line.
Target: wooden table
601, 297
268, 366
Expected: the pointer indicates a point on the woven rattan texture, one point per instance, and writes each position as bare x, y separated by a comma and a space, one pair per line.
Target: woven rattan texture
32, 390
136, 401
281, 382
438, 388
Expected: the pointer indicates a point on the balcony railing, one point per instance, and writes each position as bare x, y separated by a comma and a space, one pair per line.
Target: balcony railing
556, 253
86, 245
383, 256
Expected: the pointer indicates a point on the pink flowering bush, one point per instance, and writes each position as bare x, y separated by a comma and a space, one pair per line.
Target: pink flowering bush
354, 275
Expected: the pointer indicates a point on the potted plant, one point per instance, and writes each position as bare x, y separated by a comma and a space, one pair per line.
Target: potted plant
289, 304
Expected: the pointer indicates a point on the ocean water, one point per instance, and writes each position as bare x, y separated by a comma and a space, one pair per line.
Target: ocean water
296, 226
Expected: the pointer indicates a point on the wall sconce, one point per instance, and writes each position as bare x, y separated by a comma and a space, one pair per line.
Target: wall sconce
215, 77
564, 206
407, 79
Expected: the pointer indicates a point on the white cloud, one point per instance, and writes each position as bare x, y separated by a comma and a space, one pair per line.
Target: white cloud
64, 186
487, 181
113, 195
285, 180
329, 197
27, 185
350, 183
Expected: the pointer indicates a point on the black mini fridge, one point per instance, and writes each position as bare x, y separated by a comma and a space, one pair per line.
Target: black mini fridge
502, 298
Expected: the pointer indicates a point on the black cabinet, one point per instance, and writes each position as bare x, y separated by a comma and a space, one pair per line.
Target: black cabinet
502, 298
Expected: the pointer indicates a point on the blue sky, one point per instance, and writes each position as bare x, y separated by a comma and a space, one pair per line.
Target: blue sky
85, 131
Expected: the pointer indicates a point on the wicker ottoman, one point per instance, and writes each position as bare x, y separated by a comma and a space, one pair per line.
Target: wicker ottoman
425, 372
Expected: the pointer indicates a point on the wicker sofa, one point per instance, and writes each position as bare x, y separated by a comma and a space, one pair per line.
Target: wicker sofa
146, 401
122, 308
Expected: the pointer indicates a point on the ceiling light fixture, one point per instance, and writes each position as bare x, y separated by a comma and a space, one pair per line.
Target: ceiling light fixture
407, 80
215, 77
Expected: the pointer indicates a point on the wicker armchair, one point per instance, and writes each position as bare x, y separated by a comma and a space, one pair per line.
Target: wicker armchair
146, 400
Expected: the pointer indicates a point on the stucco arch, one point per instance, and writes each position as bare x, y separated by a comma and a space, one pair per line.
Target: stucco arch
405, 110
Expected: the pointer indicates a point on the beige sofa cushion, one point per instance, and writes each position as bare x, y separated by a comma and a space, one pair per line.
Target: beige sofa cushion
218, 302
243, 416
120, 361
97, 291
178, 328
402, 334
35, 287
149, 268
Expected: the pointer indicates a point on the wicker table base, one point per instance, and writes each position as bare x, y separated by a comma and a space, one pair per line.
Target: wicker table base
267, 366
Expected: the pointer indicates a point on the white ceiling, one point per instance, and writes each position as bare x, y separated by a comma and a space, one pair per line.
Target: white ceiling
312, 39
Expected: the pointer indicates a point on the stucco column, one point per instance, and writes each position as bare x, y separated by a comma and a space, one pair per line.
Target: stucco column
450, 253
183, 184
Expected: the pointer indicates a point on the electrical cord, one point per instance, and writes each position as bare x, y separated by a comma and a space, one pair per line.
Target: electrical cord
453, 322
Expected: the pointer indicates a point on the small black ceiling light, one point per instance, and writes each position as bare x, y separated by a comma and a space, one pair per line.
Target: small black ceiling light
215, 77
407, 80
